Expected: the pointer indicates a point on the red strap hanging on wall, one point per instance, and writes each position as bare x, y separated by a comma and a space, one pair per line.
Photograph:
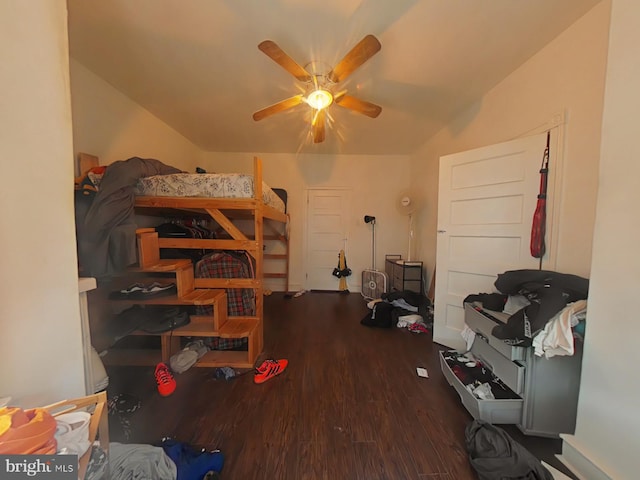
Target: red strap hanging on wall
538, 226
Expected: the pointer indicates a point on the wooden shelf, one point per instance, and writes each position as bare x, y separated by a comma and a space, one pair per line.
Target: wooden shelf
199, 326
189, 292
228, 358
201, 296
163, 265
150, 358
240, 327
202, 326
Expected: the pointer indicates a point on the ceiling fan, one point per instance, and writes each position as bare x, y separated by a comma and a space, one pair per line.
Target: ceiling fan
320, 90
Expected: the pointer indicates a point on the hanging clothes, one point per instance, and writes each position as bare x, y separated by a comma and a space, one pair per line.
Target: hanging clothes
344, 272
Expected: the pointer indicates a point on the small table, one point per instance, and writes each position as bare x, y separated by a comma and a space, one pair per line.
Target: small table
404, 275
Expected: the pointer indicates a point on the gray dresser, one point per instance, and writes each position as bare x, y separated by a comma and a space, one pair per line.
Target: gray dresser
547, 388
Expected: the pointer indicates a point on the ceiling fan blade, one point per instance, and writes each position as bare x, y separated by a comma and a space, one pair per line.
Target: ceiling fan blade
363, 51
365, 108
278, 107
318, 126
275, 53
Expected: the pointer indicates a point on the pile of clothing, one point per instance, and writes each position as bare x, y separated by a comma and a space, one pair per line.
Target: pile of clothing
540, 302
403, 309
28, 432
478, 379
171, 461
106, 227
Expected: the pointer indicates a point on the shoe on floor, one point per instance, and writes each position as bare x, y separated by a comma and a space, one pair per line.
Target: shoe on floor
269, 369
164, 379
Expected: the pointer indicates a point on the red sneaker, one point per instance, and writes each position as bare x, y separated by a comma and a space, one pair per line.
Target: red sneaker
269, 369
164, 379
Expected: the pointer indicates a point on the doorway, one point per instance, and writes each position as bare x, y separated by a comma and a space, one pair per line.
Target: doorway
326, 234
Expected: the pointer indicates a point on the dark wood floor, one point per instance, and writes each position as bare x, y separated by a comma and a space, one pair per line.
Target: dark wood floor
349, 406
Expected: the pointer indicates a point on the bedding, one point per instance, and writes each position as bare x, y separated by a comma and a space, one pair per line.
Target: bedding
107, 233
211, 185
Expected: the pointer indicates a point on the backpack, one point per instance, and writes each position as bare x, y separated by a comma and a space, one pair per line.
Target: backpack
494, 455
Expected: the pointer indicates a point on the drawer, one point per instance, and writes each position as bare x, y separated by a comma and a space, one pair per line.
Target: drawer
483, 325
412, 273
492, 411
509, 372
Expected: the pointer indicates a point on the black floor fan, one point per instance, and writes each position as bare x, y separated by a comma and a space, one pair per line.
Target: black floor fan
374, 283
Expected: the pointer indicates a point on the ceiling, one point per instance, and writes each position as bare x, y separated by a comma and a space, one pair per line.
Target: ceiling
195, 63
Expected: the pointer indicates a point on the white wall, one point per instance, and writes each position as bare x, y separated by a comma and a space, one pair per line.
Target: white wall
376, 182
110, 125
567, 75
40, 345
608, 419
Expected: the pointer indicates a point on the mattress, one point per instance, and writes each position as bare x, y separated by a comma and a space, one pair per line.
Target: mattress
210, 185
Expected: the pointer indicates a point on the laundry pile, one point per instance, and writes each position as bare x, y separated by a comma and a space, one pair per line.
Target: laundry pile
106, 230
547, 309
478, 379
403, 309
171, 460
30, 431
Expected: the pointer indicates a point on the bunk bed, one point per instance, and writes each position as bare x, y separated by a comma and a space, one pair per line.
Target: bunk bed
253, 204
224, 211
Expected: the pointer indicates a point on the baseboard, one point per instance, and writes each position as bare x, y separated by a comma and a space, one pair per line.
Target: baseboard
575, 458
555, 473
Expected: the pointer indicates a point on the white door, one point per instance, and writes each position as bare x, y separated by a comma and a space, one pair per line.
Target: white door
486, 201
327, 215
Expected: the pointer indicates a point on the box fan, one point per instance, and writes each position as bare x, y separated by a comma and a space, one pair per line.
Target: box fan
374, 283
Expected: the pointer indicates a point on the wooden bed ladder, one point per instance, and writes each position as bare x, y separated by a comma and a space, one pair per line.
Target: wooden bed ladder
219, 324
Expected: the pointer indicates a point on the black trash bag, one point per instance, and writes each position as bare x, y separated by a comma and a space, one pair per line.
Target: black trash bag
494, 455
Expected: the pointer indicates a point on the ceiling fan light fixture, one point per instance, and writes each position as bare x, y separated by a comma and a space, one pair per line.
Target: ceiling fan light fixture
319, 99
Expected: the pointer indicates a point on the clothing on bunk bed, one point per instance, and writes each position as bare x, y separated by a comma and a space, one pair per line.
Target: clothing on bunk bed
240, 301
184, 228
107, 237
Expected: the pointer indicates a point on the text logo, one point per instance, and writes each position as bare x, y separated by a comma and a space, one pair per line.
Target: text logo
52, 467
